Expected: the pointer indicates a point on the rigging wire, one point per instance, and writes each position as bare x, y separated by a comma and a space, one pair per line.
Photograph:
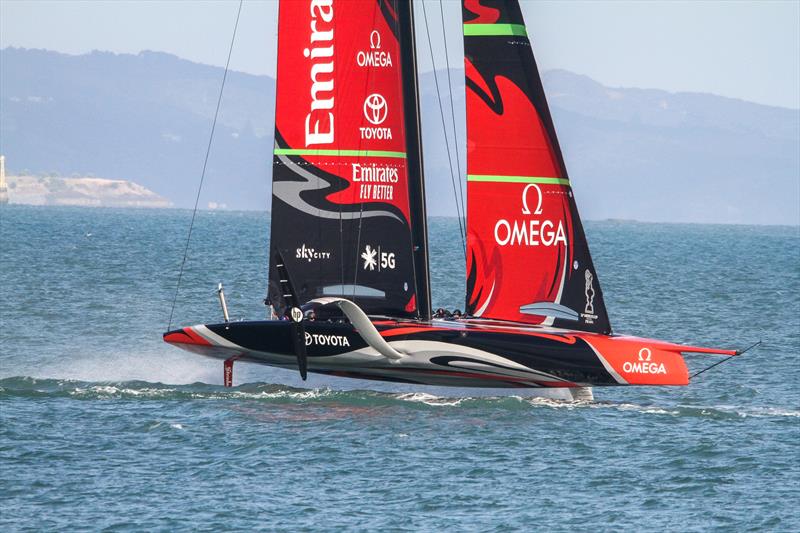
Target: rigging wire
738, 352
444, 128
453, 117
205, 164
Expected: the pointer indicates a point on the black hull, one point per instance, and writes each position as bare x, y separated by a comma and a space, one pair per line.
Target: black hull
462, 353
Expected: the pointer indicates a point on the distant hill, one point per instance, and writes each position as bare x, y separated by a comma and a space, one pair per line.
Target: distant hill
631, 153
144, 118
685, 157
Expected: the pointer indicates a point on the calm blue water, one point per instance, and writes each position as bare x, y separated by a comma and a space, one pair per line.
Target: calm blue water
104, 426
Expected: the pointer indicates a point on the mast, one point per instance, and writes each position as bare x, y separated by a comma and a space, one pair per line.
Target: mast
416, 180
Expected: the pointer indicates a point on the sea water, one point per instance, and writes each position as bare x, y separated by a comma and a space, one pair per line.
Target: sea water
102, 425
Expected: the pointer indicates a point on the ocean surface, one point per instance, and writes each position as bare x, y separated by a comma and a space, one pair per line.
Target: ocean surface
103, 426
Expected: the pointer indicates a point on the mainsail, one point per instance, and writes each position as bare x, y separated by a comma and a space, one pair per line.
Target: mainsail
527, 256
346, 171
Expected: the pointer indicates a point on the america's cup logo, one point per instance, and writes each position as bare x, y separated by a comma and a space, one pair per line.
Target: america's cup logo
375, 109
589, 310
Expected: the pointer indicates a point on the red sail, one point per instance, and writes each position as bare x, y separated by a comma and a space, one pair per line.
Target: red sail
527, 257
340, 218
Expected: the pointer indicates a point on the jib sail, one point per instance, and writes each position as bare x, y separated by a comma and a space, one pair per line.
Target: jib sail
527, 256
342, 202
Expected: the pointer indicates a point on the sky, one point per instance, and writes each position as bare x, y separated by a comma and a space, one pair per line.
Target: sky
740, 49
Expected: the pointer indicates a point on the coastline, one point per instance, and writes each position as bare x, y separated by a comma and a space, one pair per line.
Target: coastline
80, 192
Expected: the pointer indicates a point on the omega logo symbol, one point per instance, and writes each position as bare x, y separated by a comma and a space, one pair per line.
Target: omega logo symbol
375, 109
525, 209
530, 231
375, 40
644, 365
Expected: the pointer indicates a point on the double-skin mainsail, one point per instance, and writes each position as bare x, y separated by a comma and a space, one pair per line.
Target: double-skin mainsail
348, 211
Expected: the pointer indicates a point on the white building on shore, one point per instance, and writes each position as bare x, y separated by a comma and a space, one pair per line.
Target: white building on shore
3, 186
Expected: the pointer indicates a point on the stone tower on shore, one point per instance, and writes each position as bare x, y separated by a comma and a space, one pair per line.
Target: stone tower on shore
3, 187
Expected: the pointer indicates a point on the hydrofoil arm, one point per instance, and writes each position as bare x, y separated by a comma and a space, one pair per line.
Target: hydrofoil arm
363, 325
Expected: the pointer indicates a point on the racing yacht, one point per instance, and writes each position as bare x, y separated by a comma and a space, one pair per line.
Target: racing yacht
349, 283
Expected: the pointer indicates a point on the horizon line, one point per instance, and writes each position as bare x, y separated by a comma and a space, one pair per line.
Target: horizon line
454, 217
